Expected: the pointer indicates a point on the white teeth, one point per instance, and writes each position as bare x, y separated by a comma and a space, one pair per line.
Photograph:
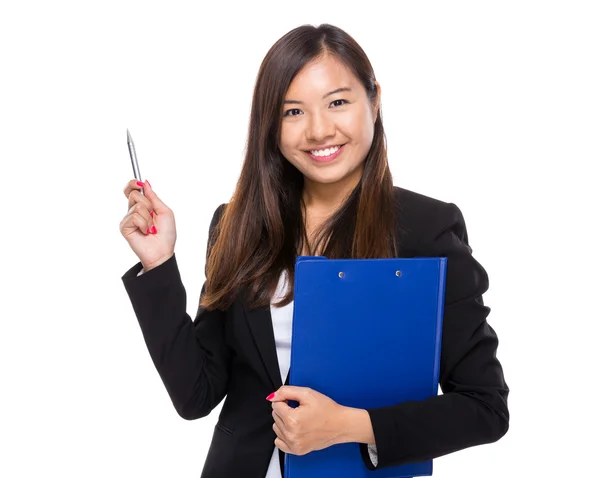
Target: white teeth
325, 152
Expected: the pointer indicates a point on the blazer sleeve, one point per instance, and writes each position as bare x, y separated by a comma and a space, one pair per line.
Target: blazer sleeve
192, 358
473, 407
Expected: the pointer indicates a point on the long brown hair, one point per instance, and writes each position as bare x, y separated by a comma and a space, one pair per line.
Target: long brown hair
261, 230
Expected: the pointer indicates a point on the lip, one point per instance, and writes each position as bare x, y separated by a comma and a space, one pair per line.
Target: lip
325, 159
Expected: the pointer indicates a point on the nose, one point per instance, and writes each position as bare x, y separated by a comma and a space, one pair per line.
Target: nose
319, 128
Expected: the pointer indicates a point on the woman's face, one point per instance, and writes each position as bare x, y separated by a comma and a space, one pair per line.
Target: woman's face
327, 123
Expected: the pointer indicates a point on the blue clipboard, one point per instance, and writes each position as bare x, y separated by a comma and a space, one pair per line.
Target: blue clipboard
366, 333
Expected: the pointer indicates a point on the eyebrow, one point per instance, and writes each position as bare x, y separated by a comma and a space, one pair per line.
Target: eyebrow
337, 90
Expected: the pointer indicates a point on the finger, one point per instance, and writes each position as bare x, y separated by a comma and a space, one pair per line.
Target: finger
137, 197
280, 434
131, 186
136, 220
141, 209
278, 419
279, 443
280, 408
157, 204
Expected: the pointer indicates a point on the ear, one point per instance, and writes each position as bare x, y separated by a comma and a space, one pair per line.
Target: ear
377, 101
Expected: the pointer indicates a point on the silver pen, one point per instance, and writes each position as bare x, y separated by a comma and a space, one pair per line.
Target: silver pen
134, 163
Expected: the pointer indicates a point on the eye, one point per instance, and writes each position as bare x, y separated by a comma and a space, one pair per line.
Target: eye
292, 112
339, 102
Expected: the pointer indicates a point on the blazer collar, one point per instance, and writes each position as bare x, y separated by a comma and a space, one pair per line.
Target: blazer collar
261, 326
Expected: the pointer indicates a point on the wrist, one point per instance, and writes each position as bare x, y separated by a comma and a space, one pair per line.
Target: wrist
158, 262
355, 426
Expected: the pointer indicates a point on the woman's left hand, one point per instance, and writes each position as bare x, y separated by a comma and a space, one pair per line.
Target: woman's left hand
315, 424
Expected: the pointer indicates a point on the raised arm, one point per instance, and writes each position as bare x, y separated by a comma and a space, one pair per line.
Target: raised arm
192, 358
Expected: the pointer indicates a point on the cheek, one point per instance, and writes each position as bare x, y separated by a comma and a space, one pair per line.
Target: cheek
358, 127
289, 142
288, 138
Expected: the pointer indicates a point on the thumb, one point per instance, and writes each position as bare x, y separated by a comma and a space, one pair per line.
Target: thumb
290, 392
157, 204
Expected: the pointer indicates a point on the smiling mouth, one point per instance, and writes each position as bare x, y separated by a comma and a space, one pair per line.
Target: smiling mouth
326, 155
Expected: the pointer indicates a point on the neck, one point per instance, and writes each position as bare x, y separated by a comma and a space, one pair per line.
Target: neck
327, 198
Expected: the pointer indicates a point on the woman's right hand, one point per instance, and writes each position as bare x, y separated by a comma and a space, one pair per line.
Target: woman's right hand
151, 248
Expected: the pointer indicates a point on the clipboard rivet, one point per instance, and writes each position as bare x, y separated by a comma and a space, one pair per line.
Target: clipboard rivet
341, 275
398, 273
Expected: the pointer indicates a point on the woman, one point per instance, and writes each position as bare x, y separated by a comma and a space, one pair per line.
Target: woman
315, 181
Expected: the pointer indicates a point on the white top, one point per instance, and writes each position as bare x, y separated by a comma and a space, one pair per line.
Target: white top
282, 318
282, 329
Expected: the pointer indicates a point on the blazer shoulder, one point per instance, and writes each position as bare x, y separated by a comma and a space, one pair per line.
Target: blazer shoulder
213, 230
218, 214
423, 219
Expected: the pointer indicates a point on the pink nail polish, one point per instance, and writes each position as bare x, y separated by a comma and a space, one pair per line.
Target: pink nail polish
153, 229
147, 230
271, 396
148, 183
140, 184
151, 213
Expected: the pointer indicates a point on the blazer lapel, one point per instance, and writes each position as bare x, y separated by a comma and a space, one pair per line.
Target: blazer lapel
261, 326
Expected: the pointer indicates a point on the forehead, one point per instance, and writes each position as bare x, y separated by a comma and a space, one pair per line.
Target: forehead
320, 76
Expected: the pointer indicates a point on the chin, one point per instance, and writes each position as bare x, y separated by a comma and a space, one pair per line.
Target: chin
324, 179
333, 175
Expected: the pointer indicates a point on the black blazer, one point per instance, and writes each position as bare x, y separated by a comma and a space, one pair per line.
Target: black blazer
232, 354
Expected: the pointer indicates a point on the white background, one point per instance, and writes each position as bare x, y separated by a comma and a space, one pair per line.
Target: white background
494, 106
